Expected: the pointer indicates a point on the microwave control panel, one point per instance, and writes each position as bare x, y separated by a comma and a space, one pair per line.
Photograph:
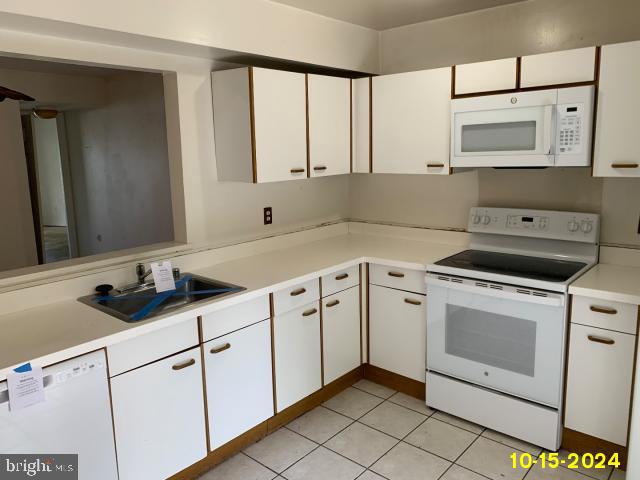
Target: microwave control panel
570, 128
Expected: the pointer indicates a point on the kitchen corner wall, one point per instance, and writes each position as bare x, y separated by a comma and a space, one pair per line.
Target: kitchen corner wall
530, 27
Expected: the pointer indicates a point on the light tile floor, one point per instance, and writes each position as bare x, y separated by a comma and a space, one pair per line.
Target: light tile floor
371, 432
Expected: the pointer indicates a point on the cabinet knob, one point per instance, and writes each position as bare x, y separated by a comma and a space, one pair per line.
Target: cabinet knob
342, 276
298, 291
309, 312
333, 303
605, 341
180, 366
221, 348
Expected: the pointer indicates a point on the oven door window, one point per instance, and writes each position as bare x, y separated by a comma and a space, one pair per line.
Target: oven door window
500, 341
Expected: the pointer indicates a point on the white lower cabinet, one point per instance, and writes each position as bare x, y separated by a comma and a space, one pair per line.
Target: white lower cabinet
158, 415
397, 331
341, 333
599, 381
296, 338
239, 382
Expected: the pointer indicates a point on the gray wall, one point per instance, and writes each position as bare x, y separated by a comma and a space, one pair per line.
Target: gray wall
120, 167
529, 27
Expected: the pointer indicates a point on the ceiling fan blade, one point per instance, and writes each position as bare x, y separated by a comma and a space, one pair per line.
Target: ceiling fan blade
13, 95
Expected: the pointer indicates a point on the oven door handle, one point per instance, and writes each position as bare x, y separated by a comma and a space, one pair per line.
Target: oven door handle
507, 292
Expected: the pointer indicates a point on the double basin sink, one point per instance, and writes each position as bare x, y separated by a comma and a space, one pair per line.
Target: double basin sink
143, 302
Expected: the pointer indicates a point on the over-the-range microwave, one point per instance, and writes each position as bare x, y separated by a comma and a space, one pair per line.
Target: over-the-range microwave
542, 128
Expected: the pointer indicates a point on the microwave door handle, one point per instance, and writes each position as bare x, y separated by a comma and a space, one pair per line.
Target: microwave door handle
549, 128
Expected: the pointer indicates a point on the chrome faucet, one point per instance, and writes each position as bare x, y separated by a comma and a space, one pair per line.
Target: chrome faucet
142, 273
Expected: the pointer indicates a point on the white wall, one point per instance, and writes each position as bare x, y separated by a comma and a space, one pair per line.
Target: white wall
17, 239
518, 29
50, 186
120, 168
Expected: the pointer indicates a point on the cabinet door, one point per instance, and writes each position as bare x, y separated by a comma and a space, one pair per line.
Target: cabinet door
361, 118
397, 331
599, 382
617, 151
239, 383
329, 125
280, 120
485, 76
341, 333
555, 68
411, 122
296, 338
158, 415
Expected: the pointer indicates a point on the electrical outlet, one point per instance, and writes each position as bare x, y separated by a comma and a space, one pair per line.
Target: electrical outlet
268, 218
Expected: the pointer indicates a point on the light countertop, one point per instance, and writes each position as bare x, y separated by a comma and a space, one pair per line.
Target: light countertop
55, 332
617, 283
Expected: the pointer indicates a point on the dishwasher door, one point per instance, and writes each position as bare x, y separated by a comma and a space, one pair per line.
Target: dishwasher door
74, 418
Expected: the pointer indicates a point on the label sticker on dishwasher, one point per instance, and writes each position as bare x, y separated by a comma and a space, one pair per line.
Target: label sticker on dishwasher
163, 276
26, 387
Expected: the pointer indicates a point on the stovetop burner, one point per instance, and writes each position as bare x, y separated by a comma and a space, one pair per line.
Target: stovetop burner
535, 268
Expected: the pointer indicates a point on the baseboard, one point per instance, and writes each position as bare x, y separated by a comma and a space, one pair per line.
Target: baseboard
395, 381
578, 442
270, 425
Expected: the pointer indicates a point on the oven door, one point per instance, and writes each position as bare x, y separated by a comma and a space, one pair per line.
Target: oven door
498, 336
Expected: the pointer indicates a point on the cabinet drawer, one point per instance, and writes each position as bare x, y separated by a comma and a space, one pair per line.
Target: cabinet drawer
294, 297
621, 317
233, 318
485, 76
400, 278
599, 382
340, 280
144, 349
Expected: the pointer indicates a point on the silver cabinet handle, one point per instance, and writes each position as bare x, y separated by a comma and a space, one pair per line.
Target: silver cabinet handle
410, 301
182, 365
605, 341
222, 348
309, 312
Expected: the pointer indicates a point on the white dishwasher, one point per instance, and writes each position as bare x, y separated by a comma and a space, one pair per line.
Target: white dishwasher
74, 418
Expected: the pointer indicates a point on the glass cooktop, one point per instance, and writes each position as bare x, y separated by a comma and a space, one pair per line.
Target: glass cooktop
535, 268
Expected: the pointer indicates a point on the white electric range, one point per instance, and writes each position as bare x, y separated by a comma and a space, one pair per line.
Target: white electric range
497, 318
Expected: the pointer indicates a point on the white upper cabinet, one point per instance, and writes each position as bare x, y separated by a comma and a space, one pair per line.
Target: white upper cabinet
329, 125
486, 76
556, 68
361, 123
617, 151
260, 122
411, 122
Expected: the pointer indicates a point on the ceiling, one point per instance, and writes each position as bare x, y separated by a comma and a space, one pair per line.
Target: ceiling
385, 14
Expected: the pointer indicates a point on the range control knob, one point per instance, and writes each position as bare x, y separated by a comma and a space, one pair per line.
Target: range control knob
573, 226
486, 219
476, 219
586, 227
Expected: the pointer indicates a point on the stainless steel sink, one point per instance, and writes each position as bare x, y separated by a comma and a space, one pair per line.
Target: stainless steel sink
144, 302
